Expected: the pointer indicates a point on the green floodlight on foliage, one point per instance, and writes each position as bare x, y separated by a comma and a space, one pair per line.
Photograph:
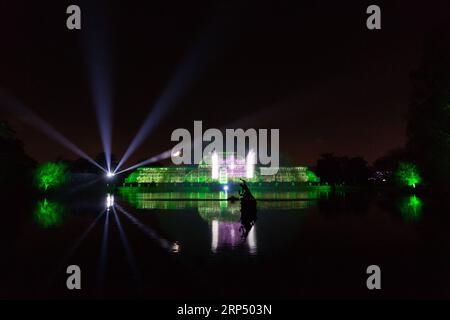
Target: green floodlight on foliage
411, 208
51, 175
408, 174
48, 214
311, 176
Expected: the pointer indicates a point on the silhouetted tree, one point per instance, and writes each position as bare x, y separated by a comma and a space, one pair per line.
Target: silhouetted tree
15, 166
342, 170
391, 160
82, 165
328, 169
356, 171
429, 111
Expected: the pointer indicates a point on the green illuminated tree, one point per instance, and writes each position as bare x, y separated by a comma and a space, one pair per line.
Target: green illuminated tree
407, 174
311, 176
51, 175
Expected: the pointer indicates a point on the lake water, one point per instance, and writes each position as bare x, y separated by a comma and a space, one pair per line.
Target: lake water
302, 245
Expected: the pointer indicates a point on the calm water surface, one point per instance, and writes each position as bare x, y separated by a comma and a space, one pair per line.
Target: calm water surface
148, 245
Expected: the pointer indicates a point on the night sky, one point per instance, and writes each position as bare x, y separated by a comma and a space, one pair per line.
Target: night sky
312, 69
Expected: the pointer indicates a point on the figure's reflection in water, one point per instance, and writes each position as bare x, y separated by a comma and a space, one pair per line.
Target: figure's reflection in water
233, 233
248, 210
227, 234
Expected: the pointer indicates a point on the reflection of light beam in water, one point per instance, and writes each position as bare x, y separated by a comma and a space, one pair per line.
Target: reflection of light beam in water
165, 244
64, 261
109, 201
103, 255
28, 116
128, 251
214, 235
83, 236
251, 240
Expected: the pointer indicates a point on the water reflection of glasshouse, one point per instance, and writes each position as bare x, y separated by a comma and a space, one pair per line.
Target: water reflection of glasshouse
222, 216
212, 203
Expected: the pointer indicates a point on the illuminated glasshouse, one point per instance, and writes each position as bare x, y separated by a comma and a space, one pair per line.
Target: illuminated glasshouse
222, 169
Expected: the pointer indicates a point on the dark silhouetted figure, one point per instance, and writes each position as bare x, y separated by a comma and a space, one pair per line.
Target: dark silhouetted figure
248, 209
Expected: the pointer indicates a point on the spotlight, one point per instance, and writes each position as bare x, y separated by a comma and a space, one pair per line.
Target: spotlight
110, 174
225, 188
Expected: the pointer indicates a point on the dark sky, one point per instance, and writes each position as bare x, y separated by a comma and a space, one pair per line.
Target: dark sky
312, 69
